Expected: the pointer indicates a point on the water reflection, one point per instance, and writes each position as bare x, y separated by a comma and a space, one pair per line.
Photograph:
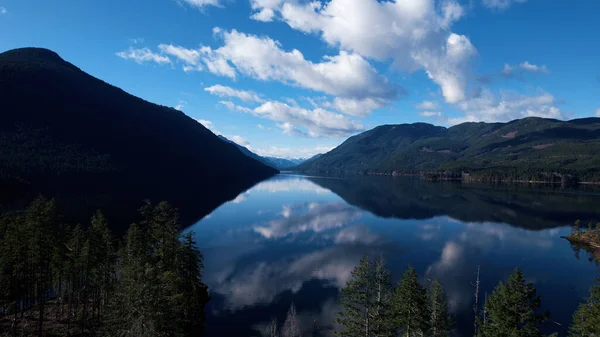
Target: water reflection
297, 239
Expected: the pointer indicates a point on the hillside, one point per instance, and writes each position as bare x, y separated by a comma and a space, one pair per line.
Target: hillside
518, 149
67, 134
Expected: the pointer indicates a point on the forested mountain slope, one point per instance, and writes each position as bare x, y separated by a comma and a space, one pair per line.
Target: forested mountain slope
72, 136
520, 148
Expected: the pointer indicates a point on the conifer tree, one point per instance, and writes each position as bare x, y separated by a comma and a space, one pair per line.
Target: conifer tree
366, 301
586, 320
410, 306
512, 309
440, 321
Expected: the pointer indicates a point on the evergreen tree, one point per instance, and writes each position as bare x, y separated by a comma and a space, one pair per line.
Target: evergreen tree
586, 320
440, 321
410, 306
366, 301
511, 309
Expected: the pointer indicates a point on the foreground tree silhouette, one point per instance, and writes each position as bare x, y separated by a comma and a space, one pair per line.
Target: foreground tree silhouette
410, 306
366, 301
511, 309
440, 321
586, 320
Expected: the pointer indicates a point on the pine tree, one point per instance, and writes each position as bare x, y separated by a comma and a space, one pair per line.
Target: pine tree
366, 301
410, 305
586, 320
356, 302
511, 309
440, 321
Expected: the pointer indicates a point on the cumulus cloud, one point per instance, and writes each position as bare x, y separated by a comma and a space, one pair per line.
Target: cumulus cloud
224, 91
346, 75
500, 4
413, 34
508, 106
143, 55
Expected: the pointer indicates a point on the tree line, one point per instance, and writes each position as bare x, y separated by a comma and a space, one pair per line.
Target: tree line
57, 280
372, 306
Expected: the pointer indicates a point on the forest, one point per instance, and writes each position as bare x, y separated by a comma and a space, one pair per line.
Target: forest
372, 306
57, 280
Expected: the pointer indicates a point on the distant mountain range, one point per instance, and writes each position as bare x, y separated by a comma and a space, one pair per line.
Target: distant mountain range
277, 163
91, 145
529, 148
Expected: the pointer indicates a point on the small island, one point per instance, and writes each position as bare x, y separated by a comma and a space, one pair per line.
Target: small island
586, 237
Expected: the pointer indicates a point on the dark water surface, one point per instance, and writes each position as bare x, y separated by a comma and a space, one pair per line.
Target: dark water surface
296, 239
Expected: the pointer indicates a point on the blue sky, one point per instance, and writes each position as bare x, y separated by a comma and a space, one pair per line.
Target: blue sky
292, 78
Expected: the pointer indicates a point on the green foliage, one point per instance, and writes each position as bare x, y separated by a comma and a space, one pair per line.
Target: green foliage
366, 301
511, 309
411, 312
586, 320
151, 287
440, 320
526, 149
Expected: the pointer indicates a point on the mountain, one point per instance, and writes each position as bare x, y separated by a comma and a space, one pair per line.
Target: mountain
91, 145
522, 148
277, 163
283, 163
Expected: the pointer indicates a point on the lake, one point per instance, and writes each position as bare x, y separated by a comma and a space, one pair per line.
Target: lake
297, 238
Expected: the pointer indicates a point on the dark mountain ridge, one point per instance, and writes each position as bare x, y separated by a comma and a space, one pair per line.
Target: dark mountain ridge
68, 134
520, 148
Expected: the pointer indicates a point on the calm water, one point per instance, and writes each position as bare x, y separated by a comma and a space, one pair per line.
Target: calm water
296, 239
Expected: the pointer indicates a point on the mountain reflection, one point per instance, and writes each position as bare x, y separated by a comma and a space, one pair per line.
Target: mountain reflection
412, 198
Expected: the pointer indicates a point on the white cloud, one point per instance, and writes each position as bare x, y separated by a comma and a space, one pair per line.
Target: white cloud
188, 56
224, 91
3, 10
233, 107
598, 112
518, 70
357, 107
180, 105
202, 3
413, 34
143, 55
347, 75
262, 127
500, 4
427, 105
317, 122
508, 106
238, 140
430, 114
207, 124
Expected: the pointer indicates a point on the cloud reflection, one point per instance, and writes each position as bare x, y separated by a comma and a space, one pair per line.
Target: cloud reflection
289, 184
315, 217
